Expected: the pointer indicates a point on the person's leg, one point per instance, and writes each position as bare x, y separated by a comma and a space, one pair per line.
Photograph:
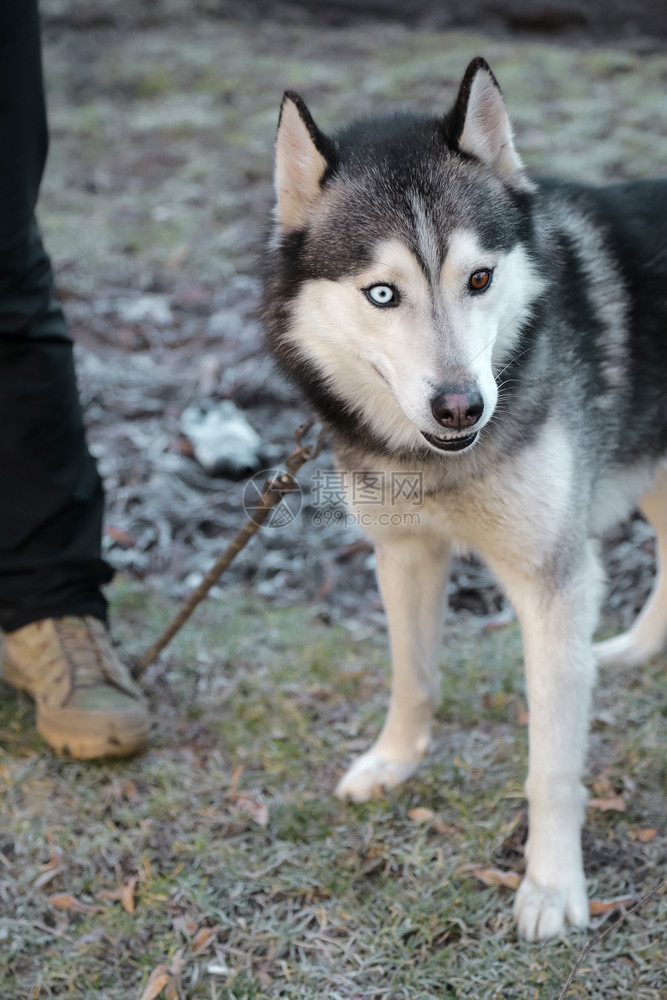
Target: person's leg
51, 499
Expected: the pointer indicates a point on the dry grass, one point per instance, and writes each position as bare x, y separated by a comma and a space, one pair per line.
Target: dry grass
247, 879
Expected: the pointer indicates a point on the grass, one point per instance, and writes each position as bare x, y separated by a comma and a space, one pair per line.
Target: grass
248, 879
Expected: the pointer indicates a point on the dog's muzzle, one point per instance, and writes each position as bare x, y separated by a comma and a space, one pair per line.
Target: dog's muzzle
448, 443
456, 407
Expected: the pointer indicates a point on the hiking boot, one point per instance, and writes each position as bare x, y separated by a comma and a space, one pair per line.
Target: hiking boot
87, 703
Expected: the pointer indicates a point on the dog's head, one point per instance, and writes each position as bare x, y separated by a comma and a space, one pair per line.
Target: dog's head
400, 265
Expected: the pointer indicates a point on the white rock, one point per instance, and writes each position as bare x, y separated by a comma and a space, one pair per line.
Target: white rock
145, 308
223, 440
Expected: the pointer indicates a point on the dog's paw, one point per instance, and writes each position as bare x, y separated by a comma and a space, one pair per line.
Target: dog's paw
626, 650
372, 775
542, 912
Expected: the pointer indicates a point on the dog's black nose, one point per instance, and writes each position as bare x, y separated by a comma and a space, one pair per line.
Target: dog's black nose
457, 406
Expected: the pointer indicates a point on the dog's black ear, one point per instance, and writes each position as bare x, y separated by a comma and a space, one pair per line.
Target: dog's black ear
302, 157
479, 125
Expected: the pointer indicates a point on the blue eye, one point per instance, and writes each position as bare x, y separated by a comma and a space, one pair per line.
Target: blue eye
382, 295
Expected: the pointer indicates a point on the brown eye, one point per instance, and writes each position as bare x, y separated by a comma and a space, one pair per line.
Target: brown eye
480, 280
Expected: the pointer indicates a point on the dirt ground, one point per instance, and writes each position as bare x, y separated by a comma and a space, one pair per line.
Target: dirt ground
218, 864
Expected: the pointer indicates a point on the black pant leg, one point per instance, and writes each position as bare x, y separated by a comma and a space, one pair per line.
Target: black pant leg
51, 500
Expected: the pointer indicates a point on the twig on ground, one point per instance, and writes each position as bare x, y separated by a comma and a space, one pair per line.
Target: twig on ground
602, 934
274, 491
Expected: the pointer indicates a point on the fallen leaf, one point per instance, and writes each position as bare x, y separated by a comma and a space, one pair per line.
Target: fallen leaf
54, 866
265, 978
420, 814
616, 802
127, 895
171, 992
645, 836
124, 893
56, 852
353, 675
442, 827
204, 937
249, 807
177, 963
497, 701
596, 907
157, 981
108, 895
130, 790
184, 447
122, 538
48, 876
65, 901
493, 876
185, 926
603, 787
236, 777
119, 791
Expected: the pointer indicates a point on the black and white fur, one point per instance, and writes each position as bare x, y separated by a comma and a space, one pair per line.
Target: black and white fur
533, 406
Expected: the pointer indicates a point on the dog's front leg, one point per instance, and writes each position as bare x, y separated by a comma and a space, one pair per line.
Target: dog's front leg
412, 572
557, 616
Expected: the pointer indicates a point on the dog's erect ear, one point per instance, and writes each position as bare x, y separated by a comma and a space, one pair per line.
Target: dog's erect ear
480, 127
301, 161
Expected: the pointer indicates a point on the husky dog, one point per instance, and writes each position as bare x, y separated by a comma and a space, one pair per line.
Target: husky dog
507, 337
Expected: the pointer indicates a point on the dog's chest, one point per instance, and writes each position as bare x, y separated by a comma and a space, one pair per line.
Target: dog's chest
520, 508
